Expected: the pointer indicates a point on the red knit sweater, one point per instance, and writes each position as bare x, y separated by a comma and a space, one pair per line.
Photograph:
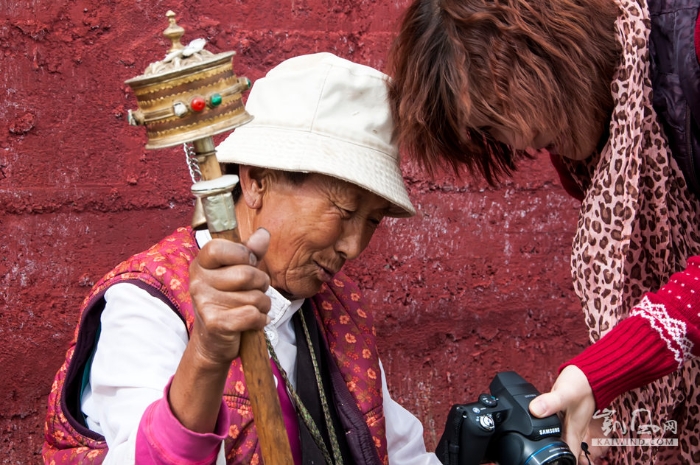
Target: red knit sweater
659, 335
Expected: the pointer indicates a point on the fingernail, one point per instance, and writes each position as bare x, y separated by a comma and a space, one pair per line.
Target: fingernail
252, 259
268, 320
537, 408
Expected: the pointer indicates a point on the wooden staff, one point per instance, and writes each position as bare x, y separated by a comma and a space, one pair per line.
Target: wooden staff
190, 96
215, 193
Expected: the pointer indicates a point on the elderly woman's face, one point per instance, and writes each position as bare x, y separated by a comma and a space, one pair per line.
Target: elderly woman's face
315, 227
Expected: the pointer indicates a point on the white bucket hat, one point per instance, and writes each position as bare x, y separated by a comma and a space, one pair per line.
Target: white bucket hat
322, 114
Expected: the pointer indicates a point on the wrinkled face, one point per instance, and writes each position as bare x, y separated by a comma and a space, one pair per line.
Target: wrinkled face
315, 227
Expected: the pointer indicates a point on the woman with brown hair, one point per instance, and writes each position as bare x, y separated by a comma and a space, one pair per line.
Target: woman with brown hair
482, 84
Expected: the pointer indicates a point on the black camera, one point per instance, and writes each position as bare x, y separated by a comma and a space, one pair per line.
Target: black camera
499, 428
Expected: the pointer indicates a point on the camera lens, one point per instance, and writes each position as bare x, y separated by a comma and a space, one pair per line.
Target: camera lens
517, 449
552, 454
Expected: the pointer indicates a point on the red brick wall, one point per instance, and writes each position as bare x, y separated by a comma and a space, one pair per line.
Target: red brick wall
477, 282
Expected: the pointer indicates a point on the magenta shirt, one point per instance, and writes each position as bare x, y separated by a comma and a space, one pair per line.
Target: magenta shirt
162, 440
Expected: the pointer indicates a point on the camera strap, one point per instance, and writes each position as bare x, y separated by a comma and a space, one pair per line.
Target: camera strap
584, 448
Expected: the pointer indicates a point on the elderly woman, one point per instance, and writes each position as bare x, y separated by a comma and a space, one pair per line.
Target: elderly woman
610, 90
153, 375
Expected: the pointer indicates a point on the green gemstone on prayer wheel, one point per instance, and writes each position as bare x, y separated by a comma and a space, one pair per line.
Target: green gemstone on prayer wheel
215, 100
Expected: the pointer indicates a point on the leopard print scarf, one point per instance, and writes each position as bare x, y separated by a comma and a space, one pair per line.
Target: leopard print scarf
638, 224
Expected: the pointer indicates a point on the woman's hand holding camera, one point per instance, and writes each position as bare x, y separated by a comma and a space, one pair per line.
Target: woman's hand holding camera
572, 396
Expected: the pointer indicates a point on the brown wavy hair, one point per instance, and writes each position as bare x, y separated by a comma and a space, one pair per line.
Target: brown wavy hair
530, 66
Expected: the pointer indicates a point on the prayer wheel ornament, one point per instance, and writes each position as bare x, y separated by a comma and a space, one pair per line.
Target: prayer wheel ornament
186, 98
189, 95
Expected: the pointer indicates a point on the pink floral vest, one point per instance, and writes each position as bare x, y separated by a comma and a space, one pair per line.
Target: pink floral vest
163, 271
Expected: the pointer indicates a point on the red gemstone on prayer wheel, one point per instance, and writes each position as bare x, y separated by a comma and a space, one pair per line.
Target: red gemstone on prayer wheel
197, 104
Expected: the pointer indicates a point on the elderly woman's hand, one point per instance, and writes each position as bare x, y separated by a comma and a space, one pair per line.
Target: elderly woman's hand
228, 294
572, 396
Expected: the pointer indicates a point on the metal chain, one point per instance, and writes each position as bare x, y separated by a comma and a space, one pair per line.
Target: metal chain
324, 402
192, 165
301, 408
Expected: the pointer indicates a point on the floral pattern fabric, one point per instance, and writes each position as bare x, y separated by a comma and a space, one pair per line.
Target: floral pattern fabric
340, 309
